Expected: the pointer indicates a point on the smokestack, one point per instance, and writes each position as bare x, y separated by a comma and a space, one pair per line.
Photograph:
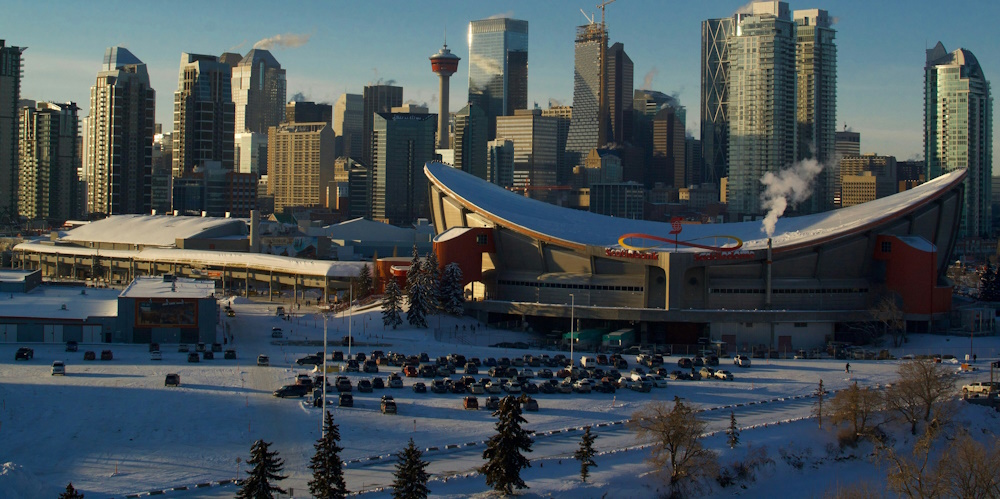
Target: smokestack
767, 294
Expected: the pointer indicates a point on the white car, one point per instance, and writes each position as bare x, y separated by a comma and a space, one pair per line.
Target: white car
582, 386
658, 381
58, 367
724, 375
741, 361
155, 355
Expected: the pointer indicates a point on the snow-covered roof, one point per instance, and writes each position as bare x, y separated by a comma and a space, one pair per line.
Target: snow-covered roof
919, 243
159, 287
15, 275
48, 302
451, 234
575, 227
362, 229
149, 230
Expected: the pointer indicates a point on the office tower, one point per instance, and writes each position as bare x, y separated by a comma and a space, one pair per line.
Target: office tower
359, 204
563, 115
204, 114
251, 153
311, 112
258, 86
603, 166
48, 162
348, 124
300, 160
161, 180
846, 143
535, 160
620, 74
403, 143
912, 173
715, 34
500, 162
667, 164
867, 177
498, 67
693, 165
444, 64
762, 104
816, 68
211, 190
377, 99
648, 103
958, 130
470, 140
120, 136
10, 93
620, 200
588, 128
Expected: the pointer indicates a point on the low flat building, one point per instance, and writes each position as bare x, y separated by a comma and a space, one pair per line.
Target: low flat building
167, 309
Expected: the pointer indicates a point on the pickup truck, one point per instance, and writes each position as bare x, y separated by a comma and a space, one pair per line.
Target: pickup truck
741, 361
980, 388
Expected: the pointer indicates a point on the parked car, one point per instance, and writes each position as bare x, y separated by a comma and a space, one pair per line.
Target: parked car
529, 388
217, 347
530, 404
370, 366
643, 385
513, 388
172, 379
193, 357
230, 312
303, 379
24, 353
208, 355
277, 333
343, 384
419, 387
741, 361
337, 356
289, 391
263, 360
72, 346
364, 386
493, 387
199, 347
471, 368
229, 354
107, 355
395, 381
707, 372
438, 386
471, 403
311, 359
582, 386
89, 355
457, 387
492, 403
352, 366
547, 387
155, 355
388, 406
183, 348
154, 347
346, 400
724, 375
684, 363
378, 383
58, 367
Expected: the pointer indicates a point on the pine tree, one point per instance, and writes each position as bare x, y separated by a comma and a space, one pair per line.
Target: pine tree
733, 432
585, 454
504, 460
432, 282
266, 469
411, 474
364, 281
391, 305
451, 294
328, 470
417, 294
377, 275
70, 493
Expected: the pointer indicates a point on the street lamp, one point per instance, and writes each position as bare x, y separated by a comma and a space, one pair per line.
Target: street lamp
572, 340
322, 420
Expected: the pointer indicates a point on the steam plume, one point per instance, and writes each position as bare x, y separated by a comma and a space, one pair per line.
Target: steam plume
647, 81
283, 41
503, 15
791, 185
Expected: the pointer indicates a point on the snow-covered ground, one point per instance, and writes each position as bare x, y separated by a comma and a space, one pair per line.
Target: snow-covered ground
113, 429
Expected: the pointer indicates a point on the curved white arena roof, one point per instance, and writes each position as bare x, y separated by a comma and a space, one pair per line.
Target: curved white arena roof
575, 227
148, 230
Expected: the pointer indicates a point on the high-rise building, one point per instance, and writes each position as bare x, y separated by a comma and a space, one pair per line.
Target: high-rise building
161, 180
498, 67
348, 124
715, 34
866, 177
10, 93
588, 127
846, 143
311, 112
762, 103
251, 153
667, 165
816, 67
301, 163
563, 115
403, 143
120, 136
958, 130
48, 162
535, 138
204, 114
620, 75
258, 86
693, 165
500, 162
470, 140
377, 99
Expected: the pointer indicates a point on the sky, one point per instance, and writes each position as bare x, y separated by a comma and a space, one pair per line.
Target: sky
342, 46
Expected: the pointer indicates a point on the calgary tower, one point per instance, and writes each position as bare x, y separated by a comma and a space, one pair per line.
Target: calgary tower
444, 63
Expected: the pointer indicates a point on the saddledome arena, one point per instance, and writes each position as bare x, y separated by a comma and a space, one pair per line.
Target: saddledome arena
821, 274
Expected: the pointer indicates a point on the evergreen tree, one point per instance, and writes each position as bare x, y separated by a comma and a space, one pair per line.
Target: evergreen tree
451, 295
70, 493
391, 304
585, 454
733, 432
376, 275
989, 285
504, 460
411, 474
432, 282
266, 469
417, 294
364, 281
328, 470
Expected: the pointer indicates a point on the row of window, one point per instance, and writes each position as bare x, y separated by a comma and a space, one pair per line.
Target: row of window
787, 291
558, 285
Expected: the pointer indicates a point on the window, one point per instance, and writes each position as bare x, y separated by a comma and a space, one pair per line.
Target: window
481, 239
886, 246
801, 324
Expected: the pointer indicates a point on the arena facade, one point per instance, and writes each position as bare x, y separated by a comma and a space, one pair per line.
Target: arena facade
813, 280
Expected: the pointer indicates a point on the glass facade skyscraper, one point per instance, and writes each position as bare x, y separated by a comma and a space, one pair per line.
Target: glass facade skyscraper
376, 99
816, 68
715, 34
403, 143
498, 67
204, 114
10, 93
258, 92
588, 127
958, 130
470, 140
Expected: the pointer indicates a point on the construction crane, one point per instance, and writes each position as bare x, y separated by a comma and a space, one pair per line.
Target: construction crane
602, 6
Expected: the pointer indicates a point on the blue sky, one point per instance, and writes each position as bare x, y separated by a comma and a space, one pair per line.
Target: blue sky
880, 48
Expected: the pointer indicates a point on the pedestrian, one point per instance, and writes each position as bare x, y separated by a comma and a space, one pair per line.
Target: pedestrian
973, 358
847, 368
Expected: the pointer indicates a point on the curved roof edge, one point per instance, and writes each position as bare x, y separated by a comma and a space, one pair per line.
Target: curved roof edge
576, 228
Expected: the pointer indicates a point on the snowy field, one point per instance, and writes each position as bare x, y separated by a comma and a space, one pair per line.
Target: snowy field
113, 429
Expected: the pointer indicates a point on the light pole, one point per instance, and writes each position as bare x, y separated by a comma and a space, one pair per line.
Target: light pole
350, 319
572, 339
322, 426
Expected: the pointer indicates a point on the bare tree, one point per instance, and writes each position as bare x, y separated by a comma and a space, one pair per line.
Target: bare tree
970, 469
913, 476
855, 490
857, 408
920, 391
675, 431
818, 406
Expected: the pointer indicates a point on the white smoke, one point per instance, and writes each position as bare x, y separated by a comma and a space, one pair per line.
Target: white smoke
503, 15
647, 81
283, 41
791, 185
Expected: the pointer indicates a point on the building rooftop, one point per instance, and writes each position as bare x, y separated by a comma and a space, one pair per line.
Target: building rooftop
9, 275
150, 230
75, 303
169, 287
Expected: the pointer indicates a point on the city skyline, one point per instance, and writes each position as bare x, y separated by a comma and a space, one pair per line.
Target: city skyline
877, 44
